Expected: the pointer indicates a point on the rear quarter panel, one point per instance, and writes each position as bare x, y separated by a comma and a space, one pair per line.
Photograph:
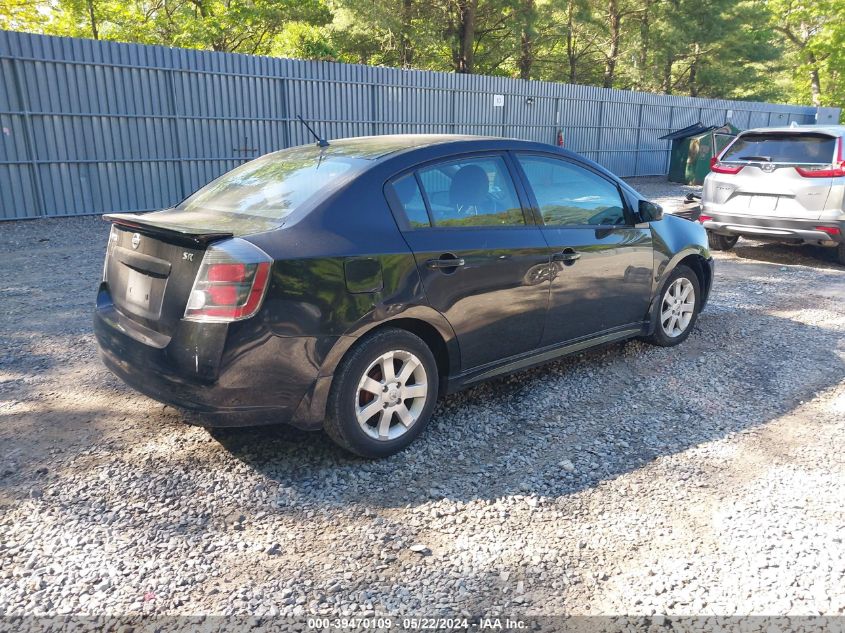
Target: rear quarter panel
310, 293
835, 206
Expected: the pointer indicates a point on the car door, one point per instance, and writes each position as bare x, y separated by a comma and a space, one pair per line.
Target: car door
482, 260
601, 270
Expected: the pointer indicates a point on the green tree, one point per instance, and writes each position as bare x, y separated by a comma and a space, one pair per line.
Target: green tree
21, 15
245, 26
750, 49
814, 31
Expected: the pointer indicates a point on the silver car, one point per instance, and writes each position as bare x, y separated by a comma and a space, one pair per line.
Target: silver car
778, 184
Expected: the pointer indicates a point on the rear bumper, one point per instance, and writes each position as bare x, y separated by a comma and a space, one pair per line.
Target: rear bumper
770, 228
225, 375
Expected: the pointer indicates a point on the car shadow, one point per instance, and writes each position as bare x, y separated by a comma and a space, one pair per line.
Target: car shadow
788, 254
569, 425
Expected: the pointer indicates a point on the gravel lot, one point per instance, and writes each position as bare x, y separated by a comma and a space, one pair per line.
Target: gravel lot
704, 479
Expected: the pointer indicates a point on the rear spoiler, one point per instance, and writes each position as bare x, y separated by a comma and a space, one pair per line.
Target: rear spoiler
190, 235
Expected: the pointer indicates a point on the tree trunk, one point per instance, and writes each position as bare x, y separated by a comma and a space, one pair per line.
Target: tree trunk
645, 45
802, 44
693, 71
666, 86
570, 42
614, 22
464, 55
815, 82
526, 45
93, 19
406, 53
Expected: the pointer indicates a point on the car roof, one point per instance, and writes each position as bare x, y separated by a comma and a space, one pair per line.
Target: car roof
372, 147
375, 147
380, 150
831, 130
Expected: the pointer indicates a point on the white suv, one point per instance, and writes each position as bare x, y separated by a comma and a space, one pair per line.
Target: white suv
778, 184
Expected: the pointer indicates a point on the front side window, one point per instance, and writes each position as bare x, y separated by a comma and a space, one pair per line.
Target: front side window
471, 192
569, 195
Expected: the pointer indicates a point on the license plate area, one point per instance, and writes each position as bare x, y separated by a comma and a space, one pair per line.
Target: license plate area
139, 287
763, 204
138, 293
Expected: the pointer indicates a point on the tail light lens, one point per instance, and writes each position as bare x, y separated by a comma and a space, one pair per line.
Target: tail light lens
834, 170
724, 168
231, 283
830, 230
704, 218
109, 248
822, 171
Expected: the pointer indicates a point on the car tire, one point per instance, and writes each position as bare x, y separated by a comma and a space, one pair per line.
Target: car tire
367, 413
673, 300
840, 253
721, 242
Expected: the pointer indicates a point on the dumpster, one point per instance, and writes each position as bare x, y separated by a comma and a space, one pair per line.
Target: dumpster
692, 149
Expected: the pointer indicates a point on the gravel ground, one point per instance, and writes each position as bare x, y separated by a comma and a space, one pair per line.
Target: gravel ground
704, 479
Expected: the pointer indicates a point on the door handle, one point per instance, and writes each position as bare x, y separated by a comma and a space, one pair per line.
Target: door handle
445, 263
567, 255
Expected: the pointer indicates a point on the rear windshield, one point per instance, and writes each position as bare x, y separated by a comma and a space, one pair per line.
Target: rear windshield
276, 184
783, 148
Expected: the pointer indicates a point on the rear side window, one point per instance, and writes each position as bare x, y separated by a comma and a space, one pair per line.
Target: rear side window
274, 185
410, 197
569, 195
471, 192
782, 148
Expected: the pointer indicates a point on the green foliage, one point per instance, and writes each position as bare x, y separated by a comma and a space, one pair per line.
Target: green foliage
304, 41
814, 31
787, 50
19, 15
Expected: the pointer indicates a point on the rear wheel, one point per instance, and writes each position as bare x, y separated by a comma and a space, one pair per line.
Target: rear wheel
721, 242
840, 253
677, 309
383, 394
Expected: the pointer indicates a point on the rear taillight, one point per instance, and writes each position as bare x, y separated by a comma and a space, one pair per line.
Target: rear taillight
834, 170
231, 282
822, 171
724, 168
109, 248
704, 218
830, 230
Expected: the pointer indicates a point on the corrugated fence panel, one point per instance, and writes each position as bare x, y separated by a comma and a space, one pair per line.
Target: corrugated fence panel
91, 127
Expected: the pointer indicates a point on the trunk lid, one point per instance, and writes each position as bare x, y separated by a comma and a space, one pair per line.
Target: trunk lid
769, 184
151, 265
780, 192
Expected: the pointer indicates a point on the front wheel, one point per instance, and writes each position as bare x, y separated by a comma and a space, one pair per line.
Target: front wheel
383, 394
721, 242
677, 310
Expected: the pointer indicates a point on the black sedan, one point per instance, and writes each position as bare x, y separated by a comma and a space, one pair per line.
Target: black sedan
347, 286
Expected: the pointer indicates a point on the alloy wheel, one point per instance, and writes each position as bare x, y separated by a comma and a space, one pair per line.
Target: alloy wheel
678, 307
391, 395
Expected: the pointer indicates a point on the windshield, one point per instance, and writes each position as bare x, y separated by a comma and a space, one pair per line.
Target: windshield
782, 148
276, 184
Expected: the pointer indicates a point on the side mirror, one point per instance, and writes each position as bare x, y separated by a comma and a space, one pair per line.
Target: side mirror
650, 211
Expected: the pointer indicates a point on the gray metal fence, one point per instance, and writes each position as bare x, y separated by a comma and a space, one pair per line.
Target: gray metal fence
91, 127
